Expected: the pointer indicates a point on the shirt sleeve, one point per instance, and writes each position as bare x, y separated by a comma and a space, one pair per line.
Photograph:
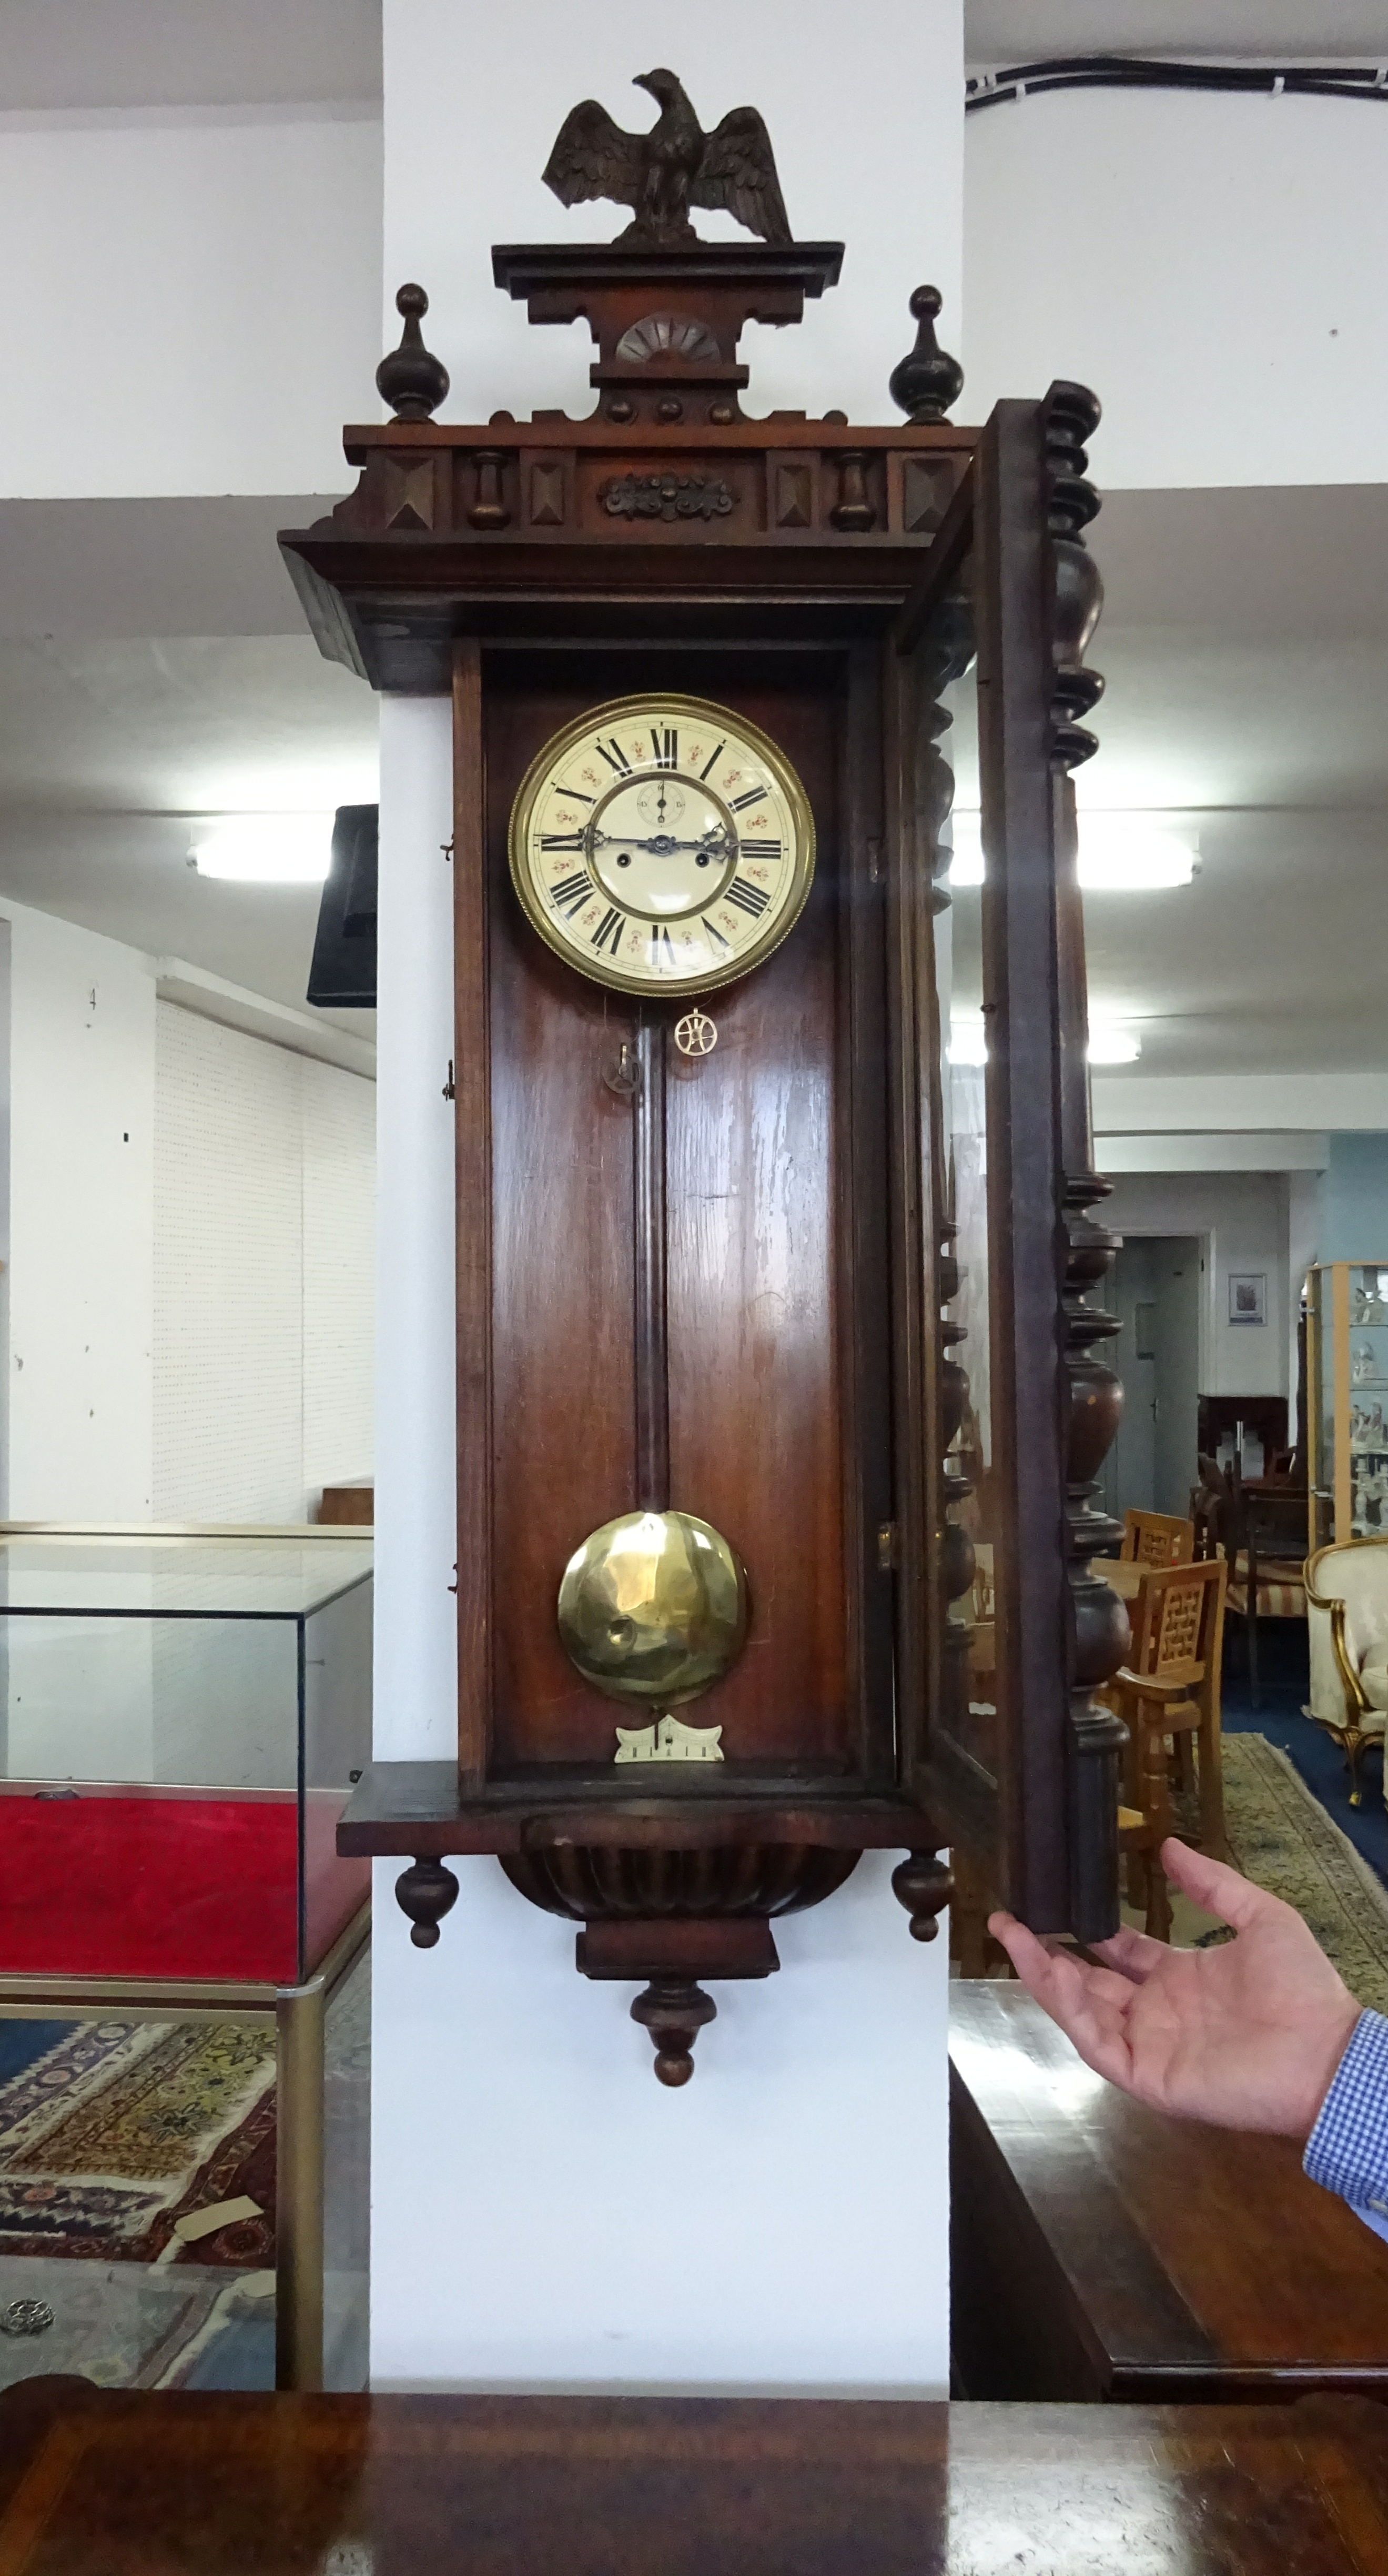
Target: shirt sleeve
1347, 2151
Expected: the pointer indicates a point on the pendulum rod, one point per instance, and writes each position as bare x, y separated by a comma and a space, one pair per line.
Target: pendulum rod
651, 1337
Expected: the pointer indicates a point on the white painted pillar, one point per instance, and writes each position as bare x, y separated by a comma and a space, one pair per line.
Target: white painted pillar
545, 2215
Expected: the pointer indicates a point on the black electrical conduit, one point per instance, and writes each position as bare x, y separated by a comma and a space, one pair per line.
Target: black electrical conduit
1127, 71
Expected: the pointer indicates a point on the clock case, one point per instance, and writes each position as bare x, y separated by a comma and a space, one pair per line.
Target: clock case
760, 1277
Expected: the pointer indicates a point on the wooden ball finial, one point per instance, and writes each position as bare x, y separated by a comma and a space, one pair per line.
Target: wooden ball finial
411, 379
928, 380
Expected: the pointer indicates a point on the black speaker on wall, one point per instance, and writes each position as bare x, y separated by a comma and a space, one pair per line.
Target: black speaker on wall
343, 973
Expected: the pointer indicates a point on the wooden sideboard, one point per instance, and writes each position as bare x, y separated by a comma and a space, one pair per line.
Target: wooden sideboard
100, 2484
1099, 2250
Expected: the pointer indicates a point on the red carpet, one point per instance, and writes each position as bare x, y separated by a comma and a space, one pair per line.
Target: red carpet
103, 1885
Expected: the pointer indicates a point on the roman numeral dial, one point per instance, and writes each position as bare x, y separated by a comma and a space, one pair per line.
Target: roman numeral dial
662, 845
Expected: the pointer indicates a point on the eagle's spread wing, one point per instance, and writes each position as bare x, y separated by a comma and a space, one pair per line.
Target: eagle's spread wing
738, 171
592, 157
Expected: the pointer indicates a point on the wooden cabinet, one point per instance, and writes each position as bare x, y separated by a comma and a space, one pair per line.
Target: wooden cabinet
1102, 2250
718, 1281
92, 2480
1347, 1400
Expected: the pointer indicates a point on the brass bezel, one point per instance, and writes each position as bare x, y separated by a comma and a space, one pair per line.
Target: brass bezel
617, 711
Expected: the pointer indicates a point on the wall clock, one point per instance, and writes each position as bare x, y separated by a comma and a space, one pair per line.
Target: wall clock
722, 1485
662, 845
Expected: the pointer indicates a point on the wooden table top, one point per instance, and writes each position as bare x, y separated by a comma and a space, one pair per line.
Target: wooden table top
1122, 1574
1168, 2258
94, 2483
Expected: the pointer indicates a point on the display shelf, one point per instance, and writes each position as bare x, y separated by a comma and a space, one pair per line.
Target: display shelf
1347, 1360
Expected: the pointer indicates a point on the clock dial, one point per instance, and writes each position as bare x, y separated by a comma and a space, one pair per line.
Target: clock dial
661, 844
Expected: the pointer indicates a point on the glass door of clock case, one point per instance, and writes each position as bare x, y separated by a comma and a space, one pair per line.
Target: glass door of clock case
1006, 1632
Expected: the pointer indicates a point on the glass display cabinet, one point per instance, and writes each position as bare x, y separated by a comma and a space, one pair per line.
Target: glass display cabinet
182, 1716
1347, 1411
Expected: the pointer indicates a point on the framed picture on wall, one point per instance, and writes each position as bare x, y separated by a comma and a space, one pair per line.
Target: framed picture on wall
1248, 1292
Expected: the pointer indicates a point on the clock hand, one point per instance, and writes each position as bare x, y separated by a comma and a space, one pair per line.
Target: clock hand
663, 844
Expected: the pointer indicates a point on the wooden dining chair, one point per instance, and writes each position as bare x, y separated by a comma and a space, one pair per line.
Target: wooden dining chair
1262, 1532
1168, 1694
1157, 1538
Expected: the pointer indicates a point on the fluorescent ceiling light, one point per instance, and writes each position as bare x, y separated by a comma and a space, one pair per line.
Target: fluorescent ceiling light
1113, 1042
967, 1043
966, 866
1119, 853
1130, 854
1110, 1041
264, 849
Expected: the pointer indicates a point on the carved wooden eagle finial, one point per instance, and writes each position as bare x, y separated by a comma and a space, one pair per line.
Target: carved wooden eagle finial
676, 166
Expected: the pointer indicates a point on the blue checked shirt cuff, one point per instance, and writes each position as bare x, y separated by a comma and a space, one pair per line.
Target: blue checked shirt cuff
1347, 2151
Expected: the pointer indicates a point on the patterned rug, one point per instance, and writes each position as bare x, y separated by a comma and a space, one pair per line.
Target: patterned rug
1282, 1838
112, 2131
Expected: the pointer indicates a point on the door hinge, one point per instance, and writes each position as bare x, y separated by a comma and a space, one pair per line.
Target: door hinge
448, 1089
887, 1559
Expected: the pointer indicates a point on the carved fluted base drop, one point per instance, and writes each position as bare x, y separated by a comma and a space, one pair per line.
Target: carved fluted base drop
924, 1885
674, 2010
426, 1891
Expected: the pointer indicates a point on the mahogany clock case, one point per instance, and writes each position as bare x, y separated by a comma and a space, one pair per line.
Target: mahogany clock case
776, 1252
741, 1304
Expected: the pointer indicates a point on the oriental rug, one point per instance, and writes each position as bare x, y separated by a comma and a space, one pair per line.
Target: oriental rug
112, 2131
1282, 1838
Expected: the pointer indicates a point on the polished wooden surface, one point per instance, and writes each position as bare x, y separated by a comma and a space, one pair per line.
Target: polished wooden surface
100, 2484
1103, 2251
472, 1109
540, 568
759, 1191
1122, 1575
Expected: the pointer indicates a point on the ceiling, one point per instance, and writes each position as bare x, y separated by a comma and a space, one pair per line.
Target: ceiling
1245, 645
71, 55
997, 32
105, 56
154, 667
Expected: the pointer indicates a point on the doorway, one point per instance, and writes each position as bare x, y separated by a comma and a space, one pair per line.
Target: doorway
1155, 1290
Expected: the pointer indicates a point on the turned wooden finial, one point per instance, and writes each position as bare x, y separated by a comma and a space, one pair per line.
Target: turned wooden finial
925, 383
674, 2010
923, 1884
426, 1891
411, 379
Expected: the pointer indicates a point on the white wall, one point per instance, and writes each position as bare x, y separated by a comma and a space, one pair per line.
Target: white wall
1243, 1218
1140, 1104
1210, 265
866, 123
189, 302
81, 1222
263, 1277
807, 2161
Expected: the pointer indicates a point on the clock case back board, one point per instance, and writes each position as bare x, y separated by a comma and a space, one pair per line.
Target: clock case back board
825, 582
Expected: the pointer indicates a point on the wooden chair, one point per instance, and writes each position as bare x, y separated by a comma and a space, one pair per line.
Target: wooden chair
1167, 1692
1156, 1538
1263, 1534
1347, 1617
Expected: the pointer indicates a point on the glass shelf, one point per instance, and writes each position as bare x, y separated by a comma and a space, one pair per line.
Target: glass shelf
1347, 1352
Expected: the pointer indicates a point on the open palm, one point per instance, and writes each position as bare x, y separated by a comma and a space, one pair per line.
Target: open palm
1247, 2035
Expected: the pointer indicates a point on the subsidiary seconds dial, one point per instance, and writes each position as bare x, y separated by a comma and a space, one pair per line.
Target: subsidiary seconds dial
661, 844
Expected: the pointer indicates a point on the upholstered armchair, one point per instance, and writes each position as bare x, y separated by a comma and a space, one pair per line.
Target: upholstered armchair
1347, 1616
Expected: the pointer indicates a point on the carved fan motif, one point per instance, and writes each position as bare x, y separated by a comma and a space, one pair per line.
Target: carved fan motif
674, 335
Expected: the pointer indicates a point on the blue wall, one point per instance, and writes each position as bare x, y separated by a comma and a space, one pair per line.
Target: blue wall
1354, 1200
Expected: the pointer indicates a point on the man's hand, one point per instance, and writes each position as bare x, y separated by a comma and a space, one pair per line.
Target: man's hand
1247, 2035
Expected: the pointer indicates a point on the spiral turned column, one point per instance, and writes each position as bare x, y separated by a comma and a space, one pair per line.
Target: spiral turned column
1098, 1620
